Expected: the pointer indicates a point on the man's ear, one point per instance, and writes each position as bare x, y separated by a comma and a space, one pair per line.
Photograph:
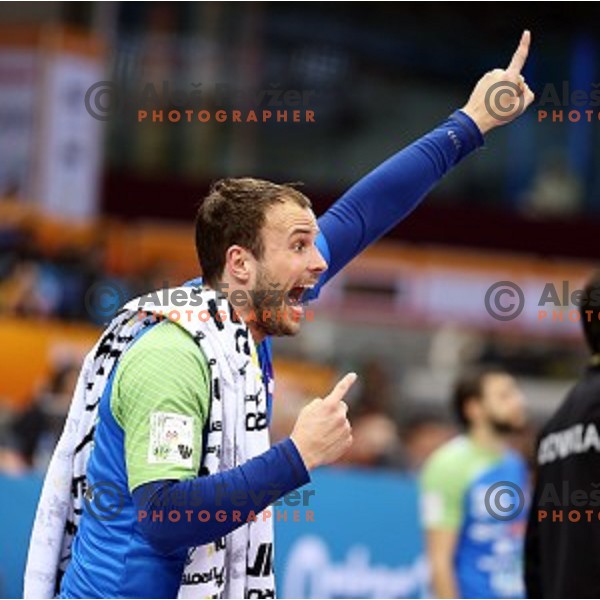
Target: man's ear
472, 409
238, 263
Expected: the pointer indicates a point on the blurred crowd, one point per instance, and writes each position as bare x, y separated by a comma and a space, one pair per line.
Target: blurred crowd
39, 283
33, 284
382, 438
28, 437
389, 431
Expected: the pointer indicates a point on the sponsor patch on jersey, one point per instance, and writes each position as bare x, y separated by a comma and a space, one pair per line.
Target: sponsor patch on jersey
171, 439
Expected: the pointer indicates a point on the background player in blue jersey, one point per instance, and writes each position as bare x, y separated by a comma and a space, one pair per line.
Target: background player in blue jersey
474, 493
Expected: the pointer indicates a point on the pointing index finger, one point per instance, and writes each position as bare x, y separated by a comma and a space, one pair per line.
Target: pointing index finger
520, 56
341, 388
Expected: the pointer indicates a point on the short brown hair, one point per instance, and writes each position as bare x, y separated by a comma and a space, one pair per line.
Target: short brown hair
469, 386
234, 212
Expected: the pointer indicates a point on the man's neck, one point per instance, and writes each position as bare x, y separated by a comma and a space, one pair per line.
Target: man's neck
257, 335
244, 311
487, 439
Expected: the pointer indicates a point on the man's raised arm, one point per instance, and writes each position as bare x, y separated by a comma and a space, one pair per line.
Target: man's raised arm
384, 197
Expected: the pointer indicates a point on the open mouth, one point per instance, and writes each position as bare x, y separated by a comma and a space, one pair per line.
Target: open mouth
297, 293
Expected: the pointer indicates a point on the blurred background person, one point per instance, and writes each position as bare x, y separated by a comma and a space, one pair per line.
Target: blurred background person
375, 430
422, 434
473, 551
36, 430
562, 553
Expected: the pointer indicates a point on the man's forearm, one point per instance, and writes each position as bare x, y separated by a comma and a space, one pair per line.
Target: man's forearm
443, 581
236, 493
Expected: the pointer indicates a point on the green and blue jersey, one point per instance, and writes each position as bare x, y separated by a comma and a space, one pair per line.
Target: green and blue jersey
462, 486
